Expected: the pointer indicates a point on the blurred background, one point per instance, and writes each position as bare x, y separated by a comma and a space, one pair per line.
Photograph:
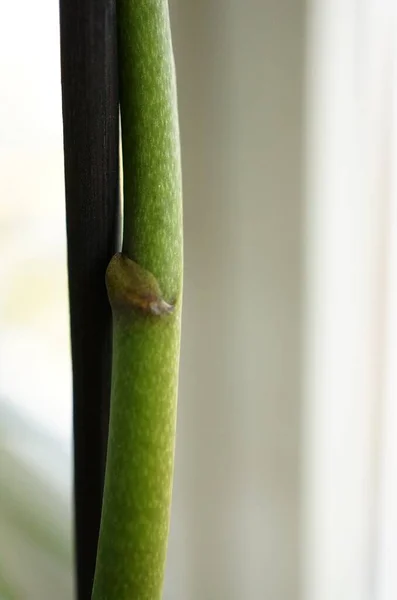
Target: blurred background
286, 466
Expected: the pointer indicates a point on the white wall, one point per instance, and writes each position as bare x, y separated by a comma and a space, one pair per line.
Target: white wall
235, 527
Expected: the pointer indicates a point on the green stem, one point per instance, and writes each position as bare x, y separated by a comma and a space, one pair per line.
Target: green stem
145, 288
152, 180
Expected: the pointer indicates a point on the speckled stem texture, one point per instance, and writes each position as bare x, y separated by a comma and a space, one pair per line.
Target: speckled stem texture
146, 331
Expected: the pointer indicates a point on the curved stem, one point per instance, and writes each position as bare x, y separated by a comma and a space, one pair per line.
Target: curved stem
145, 287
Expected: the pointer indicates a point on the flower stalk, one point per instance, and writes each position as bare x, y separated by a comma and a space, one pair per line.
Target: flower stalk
144, 285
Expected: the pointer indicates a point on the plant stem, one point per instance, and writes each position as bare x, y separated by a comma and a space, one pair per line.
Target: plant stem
145, 289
